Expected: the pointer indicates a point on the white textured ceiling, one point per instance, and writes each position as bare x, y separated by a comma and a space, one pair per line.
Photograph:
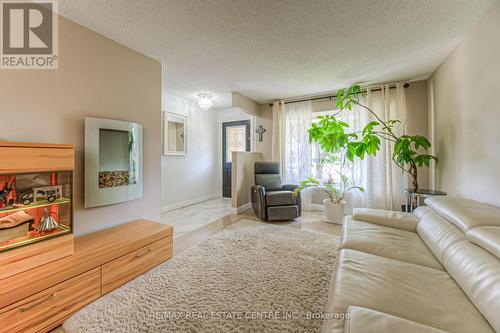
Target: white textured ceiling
270, 49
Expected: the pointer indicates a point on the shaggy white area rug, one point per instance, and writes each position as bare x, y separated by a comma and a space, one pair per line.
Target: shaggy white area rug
249, 277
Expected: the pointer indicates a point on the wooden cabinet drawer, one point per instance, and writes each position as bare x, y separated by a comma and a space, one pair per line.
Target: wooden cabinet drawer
129, 266
42, 310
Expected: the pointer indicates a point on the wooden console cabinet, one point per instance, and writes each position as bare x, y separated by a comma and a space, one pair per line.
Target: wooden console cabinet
40, 299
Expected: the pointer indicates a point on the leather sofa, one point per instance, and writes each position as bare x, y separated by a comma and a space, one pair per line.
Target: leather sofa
271, 200
434, 270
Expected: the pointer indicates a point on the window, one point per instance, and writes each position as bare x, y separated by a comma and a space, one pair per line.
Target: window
325, 167
236, 141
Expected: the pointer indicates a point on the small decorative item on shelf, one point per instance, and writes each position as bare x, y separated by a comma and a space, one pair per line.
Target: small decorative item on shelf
26, 198
49, 193
6, 199
15, 225
47, 222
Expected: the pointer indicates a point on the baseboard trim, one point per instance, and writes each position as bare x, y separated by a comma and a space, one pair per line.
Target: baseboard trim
185, 203
241, 208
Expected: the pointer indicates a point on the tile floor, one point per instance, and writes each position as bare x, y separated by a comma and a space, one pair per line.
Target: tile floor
196, 216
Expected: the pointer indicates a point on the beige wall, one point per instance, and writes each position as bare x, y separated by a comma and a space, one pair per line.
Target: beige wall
96, 78
417, 120
240, 101
265, 146
242, 173
466, 95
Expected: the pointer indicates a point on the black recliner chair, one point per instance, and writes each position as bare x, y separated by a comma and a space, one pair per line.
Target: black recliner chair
270, 199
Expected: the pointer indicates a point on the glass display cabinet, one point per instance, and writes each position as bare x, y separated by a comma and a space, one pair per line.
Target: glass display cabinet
36, 204
34, 207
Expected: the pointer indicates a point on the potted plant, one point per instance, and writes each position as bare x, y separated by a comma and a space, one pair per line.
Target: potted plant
334, 204
333, 135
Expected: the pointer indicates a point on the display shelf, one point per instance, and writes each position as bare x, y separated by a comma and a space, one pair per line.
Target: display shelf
34, 236
40, 204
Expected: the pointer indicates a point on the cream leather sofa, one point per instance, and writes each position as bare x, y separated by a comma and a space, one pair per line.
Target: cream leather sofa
435, 270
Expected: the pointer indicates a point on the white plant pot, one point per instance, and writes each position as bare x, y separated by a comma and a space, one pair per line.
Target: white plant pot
334, 211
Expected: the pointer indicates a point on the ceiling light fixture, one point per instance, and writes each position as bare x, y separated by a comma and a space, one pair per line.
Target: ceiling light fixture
205, 100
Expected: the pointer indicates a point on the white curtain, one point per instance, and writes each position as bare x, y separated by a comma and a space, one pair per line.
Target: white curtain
291, 143
278, 124
297, 150
382, 179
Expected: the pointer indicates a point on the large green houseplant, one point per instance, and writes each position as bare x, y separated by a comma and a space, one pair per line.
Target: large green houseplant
333, 135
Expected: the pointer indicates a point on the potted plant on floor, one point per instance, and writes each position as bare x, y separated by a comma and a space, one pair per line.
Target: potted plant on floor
335, 203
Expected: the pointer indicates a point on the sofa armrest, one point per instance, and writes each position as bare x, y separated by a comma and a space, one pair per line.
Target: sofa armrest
363, 320
258, 196
387, 218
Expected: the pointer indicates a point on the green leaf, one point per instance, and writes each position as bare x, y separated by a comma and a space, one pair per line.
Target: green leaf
369, 128
361, 150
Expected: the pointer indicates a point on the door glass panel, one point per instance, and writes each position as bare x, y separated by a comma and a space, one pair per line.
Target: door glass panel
235, 140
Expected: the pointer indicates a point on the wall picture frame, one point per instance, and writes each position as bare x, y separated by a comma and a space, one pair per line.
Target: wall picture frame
175, 129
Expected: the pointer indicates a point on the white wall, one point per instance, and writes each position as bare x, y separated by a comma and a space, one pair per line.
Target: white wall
191, 178
466, 107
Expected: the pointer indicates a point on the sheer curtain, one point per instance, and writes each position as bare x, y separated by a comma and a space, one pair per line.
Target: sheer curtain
291, 143
297, 150
382, 179
278, 139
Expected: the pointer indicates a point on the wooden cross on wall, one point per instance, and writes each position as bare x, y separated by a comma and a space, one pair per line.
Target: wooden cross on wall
260, 130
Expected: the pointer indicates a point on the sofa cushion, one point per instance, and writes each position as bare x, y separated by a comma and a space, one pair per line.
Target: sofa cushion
438, 234
279, 198
417, 293
486, 237
478, 274
362, 320
388, 218
464, 213
420, 211
387, 242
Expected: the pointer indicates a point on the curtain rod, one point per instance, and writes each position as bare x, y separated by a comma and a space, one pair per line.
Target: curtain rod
406, 85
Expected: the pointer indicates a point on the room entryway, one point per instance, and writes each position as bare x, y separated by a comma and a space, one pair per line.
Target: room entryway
235, 137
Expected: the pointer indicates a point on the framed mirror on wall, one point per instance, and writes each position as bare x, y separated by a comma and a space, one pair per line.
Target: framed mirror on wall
174, 134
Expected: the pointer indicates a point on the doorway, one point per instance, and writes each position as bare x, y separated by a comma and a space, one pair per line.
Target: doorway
235, 137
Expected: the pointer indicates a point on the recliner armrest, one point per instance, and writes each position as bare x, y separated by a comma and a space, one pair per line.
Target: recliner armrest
258, 196
289, 187
259, 188
387, 218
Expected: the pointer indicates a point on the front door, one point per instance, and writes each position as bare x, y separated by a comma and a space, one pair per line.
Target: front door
235, 137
